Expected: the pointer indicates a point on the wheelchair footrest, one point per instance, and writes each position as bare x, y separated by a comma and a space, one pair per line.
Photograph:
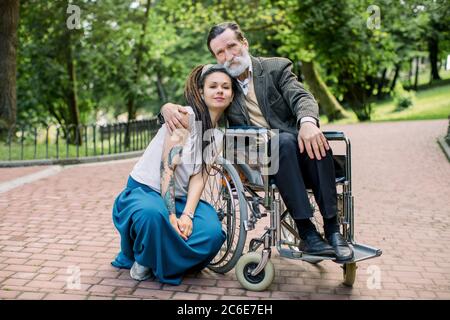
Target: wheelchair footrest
362, 252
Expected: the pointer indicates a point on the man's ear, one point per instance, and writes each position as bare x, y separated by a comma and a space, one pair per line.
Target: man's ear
245, 42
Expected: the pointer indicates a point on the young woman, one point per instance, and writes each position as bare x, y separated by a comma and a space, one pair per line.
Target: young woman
165, 229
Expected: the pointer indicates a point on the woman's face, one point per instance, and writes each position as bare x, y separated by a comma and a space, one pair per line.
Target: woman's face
217, 91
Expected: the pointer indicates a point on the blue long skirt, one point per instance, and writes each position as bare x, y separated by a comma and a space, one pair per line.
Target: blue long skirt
142, 219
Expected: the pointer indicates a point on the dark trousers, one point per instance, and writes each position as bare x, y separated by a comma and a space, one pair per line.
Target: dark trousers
297, 172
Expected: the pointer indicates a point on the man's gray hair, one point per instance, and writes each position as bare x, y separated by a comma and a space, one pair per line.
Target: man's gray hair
218, 29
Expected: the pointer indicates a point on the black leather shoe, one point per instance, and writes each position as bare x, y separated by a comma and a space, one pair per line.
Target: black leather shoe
314, 244
340, 246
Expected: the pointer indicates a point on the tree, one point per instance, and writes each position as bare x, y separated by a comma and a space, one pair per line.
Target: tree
139, 50
294, 46
435, 31
49, 54
9, 18
352, 54
129, 57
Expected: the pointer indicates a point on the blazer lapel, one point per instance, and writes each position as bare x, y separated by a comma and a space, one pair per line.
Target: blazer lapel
243, 109
259, 85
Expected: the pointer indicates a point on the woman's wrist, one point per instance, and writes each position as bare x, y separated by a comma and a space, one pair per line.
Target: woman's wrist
190, 214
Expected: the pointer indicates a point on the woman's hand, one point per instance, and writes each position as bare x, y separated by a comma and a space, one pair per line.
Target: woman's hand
174, 222
185, 225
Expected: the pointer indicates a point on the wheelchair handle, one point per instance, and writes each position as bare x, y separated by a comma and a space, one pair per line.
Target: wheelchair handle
340, 136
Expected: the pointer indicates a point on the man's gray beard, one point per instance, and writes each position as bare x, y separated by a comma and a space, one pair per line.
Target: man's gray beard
236, 71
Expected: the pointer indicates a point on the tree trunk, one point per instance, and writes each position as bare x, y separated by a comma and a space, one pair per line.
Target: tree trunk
433, 55
394, 80
410, 72
381, 83
372, 82
161, 92
131, 108
9, 19
72, 101
416, 77
356, 97
331, 107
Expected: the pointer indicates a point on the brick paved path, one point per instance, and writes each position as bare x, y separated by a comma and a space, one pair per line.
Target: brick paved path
55, 226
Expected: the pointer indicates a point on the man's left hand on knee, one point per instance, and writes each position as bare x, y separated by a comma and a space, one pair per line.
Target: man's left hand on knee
311, 139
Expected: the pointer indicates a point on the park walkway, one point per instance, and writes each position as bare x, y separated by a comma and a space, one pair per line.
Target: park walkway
59, 225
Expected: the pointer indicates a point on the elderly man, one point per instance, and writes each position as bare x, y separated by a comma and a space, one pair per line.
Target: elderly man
273, 98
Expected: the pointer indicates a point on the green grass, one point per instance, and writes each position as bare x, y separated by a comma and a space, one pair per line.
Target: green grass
429, 104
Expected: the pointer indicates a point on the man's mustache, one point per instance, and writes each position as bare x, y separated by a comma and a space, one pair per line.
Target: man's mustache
229, 63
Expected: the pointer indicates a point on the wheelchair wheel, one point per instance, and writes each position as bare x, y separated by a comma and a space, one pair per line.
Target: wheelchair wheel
224, 191
349, 273
246, 264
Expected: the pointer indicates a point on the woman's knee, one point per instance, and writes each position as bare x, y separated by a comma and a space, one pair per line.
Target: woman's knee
216, 234
211, 223
149, 215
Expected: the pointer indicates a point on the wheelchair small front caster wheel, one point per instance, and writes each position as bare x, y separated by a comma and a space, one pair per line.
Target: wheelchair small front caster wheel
244, 267
349, 274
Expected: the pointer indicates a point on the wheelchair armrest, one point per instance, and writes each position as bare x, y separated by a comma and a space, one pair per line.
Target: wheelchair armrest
334, 135
329, 135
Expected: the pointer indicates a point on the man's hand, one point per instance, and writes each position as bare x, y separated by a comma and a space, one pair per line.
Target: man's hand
174, 222
173, 116
185, 225
312, 139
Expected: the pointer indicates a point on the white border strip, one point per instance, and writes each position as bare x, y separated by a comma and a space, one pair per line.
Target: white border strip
9, 185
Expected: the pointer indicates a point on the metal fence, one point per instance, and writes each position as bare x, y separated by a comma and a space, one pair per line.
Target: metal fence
26, 142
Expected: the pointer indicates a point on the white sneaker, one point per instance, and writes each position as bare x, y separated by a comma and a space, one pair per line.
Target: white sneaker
140, 273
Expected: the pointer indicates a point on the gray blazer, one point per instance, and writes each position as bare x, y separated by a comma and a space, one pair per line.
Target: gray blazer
282, 98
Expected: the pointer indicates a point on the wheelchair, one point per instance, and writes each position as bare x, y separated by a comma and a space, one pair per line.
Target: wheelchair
243, 194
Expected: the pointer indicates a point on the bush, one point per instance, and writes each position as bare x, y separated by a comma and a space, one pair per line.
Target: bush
403, 99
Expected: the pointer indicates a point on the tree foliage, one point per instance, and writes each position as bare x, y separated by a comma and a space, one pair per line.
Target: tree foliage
121, 54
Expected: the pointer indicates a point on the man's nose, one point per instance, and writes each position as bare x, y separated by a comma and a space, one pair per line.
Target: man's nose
228, 56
